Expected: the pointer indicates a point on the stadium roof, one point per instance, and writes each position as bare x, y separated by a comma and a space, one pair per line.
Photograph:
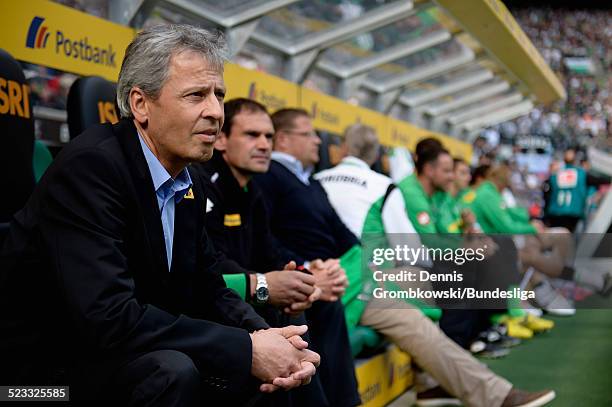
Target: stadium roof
451, 66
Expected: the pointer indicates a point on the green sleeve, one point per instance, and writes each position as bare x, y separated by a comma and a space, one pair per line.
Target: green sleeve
518, 213
238, 283
353, 300
490, 206
423, 219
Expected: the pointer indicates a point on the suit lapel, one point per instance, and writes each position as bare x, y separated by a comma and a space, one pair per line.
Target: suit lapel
143, 183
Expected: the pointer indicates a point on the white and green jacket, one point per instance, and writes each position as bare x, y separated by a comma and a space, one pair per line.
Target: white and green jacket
373, 209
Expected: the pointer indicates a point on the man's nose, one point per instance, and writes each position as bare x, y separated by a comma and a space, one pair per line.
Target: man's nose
213, 108
263, 142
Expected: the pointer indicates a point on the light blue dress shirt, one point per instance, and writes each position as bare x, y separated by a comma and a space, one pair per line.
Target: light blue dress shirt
294, 165
169, 192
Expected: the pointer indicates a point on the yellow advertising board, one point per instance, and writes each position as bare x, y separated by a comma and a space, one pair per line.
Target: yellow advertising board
384, 377
273, 92
375, 120
329, 113
60, 37
455, 147
49, 34
401, 133
404, 134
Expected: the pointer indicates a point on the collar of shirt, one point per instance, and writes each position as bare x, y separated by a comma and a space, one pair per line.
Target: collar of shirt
294, 165
163, 183
357, 162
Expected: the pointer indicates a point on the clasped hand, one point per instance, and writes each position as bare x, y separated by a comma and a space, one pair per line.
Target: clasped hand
281, 359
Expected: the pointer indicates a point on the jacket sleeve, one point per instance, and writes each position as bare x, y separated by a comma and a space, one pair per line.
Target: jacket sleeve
266, 252
398, 228
269, 184
491, 208
420, 214
82, 227
595, 181
228, 307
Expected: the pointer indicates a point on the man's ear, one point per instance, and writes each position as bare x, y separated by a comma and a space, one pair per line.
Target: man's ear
280, 141
221, 142
139, 104
343, 149
428, 169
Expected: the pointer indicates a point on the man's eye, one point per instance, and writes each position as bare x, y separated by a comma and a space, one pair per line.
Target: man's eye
194, 95
220, 95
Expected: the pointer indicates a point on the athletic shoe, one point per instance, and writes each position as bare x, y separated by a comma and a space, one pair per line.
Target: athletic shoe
498, 334
436, 397
551, 301
516, 329
571, 290
520, 398
530, 309
488, 350
538, 324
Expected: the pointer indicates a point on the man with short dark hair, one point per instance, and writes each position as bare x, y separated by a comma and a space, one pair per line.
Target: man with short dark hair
236, 223
109, 282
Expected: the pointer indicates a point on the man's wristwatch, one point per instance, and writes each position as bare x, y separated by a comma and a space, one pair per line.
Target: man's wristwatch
261, 289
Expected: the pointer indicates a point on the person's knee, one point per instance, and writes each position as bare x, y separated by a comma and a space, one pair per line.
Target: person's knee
177, 368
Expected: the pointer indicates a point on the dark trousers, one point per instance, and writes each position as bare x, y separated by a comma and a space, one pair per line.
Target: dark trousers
164, 378
568, 222
329, 335
310, 395
464, 325
463, 322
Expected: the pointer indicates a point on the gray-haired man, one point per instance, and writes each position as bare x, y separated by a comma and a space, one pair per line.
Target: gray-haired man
110, 283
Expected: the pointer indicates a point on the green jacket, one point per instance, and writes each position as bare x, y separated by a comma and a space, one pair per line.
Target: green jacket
419, 205
431, 216
492, 214
447, 213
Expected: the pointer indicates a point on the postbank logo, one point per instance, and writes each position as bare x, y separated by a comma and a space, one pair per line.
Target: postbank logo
76, 48
37, 33
326, 116
272, 101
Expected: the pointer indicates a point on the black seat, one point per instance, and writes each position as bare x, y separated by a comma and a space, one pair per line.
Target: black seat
91, 100
17, 139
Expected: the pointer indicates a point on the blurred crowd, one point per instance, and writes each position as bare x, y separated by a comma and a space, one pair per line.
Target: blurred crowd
560, 34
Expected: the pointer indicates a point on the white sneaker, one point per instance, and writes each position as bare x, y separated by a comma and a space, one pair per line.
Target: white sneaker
530, 309
551, 301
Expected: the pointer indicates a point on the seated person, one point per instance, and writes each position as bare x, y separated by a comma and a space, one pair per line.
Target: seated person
370, 205
311, 227
236, 223
437, 219
494, 216
109, 282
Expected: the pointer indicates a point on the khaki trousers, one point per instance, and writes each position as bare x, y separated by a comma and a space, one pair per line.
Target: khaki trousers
457, 371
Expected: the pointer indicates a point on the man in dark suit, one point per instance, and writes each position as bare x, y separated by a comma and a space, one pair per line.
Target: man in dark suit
237, 223
108, 280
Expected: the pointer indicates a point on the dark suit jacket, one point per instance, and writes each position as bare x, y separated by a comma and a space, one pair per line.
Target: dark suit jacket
85, 276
